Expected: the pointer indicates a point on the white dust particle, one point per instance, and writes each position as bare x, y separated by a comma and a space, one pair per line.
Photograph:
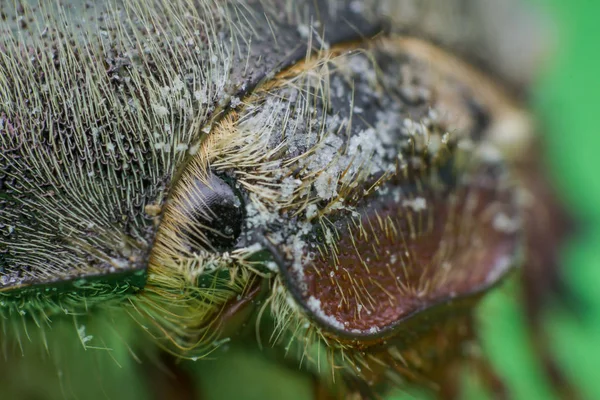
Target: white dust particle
489, 153
82, 336
304, 31
160, 110
272, 266
373, 330
314, 305
418, 204
311, 211
194, 149
505, 224
181, 147
121, 264
288, 186
177, 85
235, 102
326, 185
356, 7
202, 97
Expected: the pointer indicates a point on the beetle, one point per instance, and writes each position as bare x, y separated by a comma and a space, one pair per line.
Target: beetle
347, 178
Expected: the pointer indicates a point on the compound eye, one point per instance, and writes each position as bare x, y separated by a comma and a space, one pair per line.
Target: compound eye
215, 212
207, 213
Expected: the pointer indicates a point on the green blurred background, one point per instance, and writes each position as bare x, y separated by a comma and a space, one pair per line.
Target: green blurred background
567, 102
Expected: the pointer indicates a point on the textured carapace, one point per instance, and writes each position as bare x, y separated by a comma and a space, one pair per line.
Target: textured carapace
348, 163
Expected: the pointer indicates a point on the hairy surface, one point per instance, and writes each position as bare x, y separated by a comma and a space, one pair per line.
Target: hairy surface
122, 122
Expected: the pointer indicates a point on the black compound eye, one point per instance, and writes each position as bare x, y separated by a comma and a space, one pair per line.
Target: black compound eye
212, 212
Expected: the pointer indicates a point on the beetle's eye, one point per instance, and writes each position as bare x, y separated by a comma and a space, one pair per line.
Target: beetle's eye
209, 213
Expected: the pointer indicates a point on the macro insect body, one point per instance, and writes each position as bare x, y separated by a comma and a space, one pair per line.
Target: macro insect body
337, 178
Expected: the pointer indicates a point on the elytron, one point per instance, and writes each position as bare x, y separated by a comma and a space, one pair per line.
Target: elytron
337, 181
